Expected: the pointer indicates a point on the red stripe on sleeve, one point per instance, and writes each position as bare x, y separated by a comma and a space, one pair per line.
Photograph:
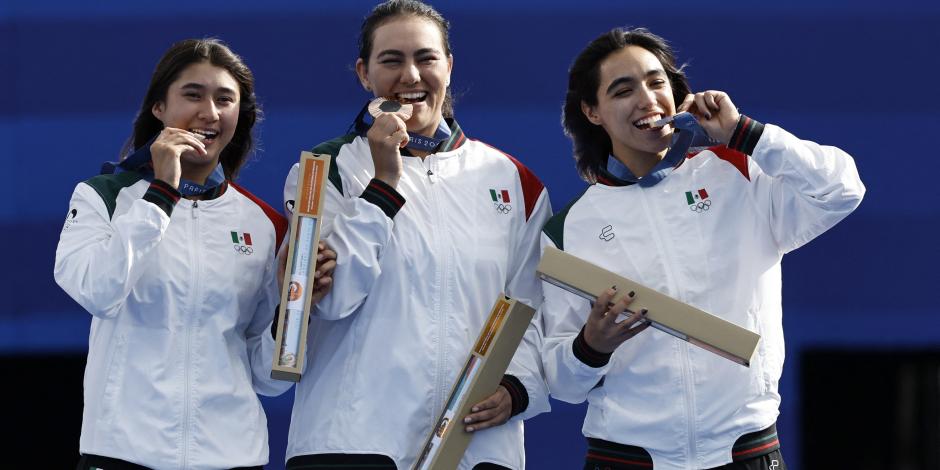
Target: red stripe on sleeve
392, 198
738, 159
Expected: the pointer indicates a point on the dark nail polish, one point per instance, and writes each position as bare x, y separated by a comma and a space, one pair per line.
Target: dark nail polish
632, 294
614, 287
644, 311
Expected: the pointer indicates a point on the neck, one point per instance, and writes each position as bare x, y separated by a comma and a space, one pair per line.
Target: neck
640, 164
197, 173
419, 153
430, 130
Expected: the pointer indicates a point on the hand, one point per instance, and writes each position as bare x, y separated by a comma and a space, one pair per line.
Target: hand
323, 277
493, 411
388, 134
602, 332
166, 150
714, 111
282, 263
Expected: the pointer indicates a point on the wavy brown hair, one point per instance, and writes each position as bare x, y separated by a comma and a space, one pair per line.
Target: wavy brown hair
591, 143
171, 65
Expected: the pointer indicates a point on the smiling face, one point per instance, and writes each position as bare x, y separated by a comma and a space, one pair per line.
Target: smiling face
204, 100
408, 63
633, 92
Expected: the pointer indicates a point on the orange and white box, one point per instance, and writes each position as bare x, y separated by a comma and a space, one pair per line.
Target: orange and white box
294, 313
481, 374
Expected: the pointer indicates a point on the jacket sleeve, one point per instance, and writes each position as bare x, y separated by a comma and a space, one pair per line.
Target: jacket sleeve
259, 335
358, 228
525, 286
803, 187
98, 260
569, 376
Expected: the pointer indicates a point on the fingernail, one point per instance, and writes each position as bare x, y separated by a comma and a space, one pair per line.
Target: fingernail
469, 428
467, 419
475, 409
643, 312
632, 294
708, 116
614, 287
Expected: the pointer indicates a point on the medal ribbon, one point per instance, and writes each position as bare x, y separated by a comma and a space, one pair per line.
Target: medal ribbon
140, 162
688, 134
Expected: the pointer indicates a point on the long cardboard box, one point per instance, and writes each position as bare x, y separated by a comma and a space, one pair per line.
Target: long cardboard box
481, 374
665, 313
294, 315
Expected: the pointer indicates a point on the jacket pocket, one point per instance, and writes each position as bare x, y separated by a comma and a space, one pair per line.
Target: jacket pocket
113, 379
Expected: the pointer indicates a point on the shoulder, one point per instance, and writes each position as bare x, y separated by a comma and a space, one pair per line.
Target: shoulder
109, 186
278, 221
731, 157
532, 186
332, 148
554, 229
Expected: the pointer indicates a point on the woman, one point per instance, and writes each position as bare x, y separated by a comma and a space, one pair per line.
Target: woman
176, 264
706, 228
429, 228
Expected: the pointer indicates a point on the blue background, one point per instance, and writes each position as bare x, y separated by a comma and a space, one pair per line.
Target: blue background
860, 75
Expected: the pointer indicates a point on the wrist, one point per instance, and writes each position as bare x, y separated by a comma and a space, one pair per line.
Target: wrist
171, 182
388, 178
587, 354
745, 135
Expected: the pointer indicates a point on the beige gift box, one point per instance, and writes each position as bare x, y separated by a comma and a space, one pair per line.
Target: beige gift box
665, 313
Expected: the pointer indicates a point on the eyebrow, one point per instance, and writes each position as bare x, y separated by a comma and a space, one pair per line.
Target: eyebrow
201, 87
627, 79
397, 53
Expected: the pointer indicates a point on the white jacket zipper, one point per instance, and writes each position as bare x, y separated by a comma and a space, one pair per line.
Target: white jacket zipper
688, 397
441, 388
194, 258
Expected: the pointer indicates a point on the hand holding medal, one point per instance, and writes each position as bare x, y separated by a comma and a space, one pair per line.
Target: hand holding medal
388, 134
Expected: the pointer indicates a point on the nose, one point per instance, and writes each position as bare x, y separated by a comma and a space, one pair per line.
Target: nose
647, 98
209, 111
410, 74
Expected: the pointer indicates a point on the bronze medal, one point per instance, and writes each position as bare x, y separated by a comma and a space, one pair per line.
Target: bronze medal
383, 105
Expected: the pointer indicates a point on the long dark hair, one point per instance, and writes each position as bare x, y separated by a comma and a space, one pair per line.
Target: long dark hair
591, 143
171, 65
386, 11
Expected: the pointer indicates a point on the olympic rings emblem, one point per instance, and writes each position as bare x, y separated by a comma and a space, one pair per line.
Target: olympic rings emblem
245, 250
701, 206
502, 208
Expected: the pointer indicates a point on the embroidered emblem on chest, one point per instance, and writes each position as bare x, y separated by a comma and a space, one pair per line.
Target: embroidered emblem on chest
698, 201
242, 243
501, 201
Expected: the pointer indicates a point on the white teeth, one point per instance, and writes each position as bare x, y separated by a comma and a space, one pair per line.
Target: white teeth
412, 96
647, 121
207, 133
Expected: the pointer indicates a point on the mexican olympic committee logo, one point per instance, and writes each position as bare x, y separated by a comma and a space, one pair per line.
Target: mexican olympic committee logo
242, 243
501, 201
698, 201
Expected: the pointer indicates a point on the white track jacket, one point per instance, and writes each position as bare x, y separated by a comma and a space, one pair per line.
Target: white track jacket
711, 234
182, 307
418, 270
